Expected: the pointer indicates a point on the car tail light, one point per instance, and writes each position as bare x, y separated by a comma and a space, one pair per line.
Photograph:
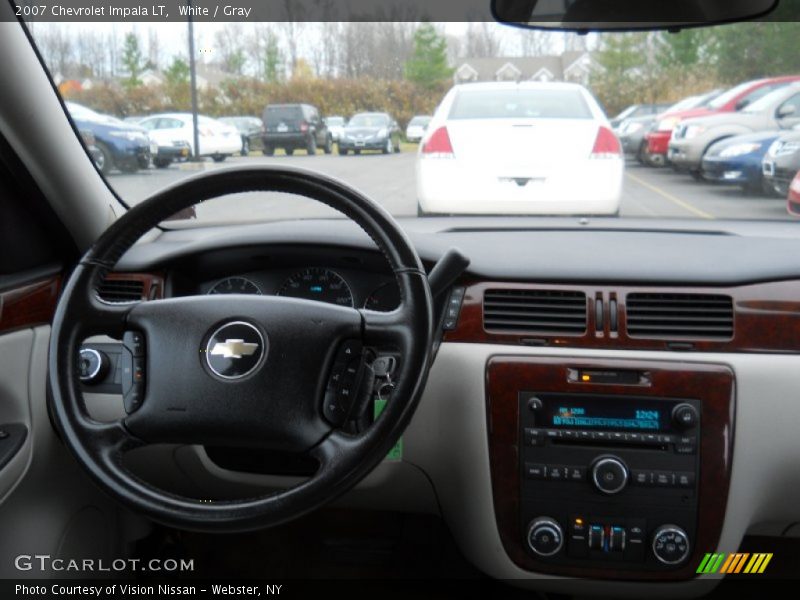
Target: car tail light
794, 196
303, 127
606, 145
438, 145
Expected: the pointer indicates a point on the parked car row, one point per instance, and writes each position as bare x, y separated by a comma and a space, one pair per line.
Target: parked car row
748, 136
168, 137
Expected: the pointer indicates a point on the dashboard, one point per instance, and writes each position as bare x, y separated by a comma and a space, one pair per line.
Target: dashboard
597, 416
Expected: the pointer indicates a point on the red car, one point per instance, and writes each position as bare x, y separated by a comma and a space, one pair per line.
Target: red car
793, 200
732, 100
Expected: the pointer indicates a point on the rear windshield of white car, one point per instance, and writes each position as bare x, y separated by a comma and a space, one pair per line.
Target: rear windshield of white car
519, 104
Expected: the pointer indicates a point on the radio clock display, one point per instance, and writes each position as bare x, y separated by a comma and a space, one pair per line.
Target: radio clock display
606, 413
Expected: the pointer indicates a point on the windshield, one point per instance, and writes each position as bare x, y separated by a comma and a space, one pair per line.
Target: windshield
450, 119
368, 121
730, 95
519, 104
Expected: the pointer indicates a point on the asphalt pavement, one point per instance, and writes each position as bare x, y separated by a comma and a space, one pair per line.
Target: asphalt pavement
647, 192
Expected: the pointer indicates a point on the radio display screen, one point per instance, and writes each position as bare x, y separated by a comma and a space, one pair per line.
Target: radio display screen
604, 413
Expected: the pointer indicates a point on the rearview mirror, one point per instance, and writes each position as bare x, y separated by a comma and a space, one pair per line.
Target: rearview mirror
610, 15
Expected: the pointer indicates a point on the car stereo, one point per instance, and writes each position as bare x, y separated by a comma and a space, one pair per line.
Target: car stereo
608, 479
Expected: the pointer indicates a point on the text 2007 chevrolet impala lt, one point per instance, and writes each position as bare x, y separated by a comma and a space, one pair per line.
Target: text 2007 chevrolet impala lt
561, 375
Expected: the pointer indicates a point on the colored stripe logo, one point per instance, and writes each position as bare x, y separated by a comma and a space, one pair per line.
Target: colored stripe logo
743, 563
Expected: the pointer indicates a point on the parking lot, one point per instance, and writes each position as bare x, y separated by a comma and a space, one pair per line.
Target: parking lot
648, 192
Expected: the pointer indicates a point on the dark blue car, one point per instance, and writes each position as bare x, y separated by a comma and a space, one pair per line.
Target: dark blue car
737, 160
118, 144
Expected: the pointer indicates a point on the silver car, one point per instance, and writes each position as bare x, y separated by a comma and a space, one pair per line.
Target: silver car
693, 137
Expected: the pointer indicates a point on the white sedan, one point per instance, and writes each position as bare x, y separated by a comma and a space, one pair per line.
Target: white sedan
519, 148
216, 139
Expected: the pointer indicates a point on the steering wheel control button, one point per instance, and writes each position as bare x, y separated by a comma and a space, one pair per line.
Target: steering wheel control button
92, 365
235, 350
344, 382
545, 537
609, 475
685, 416
670, 544
134, 342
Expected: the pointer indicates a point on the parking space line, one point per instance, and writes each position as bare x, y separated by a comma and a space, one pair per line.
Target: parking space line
674, 199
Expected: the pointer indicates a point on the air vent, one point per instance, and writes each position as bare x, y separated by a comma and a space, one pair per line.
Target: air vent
548, 312
668, 316
121, 290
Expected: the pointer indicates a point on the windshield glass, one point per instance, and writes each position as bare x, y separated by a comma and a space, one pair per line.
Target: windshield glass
368, 121
519, 104
728, 96
504, 121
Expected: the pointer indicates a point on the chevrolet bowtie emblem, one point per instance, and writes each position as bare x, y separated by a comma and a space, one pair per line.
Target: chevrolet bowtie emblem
234, 349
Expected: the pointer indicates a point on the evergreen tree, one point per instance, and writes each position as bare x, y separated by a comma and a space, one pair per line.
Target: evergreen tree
428, 64
132, 60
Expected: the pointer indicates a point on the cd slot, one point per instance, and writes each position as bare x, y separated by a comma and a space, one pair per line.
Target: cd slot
612, 444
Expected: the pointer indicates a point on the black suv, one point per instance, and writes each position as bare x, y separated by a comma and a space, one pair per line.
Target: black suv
293, 126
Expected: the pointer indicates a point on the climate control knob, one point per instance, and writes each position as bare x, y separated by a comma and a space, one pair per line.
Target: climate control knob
670, 544
545, 537
609, 474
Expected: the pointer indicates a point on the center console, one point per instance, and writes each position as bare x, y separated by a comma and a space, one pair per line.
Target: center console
612, 469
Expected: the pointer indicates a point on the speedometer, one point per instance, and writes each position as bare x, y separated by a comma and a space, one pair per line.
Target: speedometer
235, 285
318, 284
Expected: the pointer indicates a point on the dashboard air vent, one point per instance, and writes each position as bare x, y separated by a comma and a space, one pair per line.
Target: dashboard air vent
121, 290
548, 312
699, 316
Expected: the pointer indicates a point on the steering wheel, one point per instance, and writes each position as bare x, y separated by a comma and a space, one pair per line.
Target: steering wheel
237, 370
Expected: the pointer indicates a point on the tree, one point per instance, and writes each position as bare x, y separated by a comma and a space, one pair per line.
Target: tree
482, 41
681, 50
132, 60
428, 64
178, 72
229, 44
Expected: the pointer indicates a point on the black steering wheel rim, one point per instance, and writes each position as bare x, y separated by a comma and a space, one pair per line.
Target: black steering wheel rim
345, 459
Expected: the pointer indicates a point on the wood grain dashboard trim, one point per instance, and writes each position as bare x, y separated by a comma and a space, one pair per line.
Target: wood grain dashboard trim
30, 304
766, 319
712, 384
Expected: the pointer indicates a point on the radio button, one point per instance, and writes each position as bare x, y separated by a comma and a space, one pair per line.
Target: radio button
664, 478
553, 433
633, 437
617, 436
556, 473
609, 475
685, 416
570, 435
535, 471
651, 438
685, 480
576, 473
602, 435
685, 449
642, 477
